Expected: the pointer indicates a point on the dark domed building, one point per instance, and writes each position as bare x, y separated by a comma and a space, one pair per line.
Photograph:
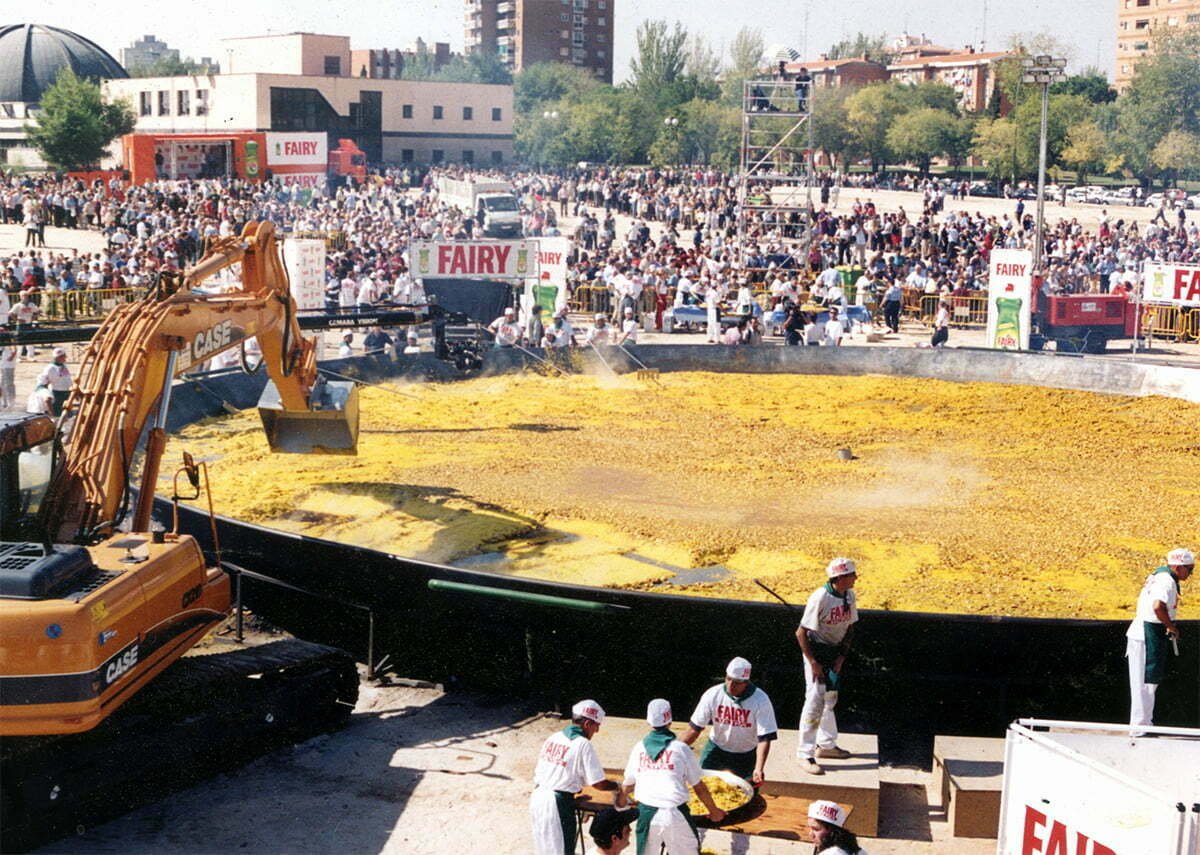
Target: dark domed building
31, 56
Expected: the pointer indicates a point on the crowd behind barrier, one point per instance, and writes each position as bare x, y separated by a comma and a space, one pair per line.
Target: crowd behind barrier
690, 257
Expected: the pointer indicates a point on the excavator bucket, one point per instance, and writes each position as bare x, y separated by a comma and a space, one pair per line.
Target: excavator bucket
330, 427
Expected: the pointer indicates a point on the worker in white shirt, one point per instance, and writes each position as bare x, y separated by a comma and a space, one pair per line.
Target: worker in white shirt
629, 328
600, 334
658, 772
1152, 633
834, 330
566, 764
506, 329
57, 377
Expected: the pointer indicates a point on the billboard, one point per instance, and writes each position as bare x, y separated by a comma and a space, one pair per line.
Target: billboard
305, 260
298, 149
1010, 272
474, 259
1171, 284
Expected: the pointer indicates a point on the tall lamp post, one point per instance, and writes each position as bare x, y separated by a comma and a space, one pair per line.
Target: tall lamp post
549, 116
671, 124
1042, 70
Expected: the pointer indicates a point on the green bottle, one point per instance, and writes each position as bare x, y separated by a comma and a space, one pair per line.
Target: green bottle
1008, 323
251, 158
1158, 284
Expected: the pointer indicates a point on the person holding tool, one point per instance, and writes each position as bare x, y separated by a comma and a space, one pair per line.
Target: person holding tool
743, 728
566, 764
824, 635
1151, 633
659, 770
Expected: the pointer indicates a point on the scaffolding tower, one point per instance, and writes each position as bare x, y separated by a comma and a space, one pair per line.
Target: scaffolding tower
774, 194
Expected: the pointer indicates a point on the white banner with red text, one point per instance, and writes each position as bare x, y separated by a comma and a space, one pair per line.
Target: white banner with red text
474, 259
1010, 272
1171, 284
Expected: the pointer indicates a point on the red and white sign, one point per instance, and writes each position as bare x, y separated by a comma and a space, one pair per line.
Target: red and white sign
492, 259
298, 149
304, 179
1171, 284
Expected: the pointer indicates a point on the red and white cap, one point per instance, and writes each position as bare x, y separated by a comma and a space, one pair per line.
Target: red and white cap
827, 811
658, 713
841, 567
588, 709
738, 669
1181, 558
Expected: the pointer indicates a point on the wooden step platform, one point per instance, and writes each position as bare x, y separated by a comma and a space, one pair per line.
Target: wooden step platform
969, 773
853, 782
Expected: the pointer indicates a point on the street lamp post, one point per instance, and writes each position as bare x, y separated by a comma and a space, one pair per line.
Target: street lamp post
1042, 70
671, 123
549, 116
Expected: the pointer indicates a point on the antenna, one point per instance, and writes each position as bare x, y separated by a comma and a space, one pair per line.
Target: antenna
983, 29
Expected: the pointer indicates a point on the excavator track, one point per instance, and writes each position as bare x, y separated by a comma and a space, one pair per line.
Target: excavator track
204, 715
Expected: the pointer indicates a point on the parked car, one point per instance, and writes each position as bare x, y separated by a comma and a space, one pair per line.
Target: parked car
1173, 197
1080, 195
1121, 196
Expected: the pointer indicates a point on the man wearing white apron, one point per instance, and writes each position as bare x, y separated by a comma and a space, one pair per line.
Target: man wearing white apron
659, 770
824, 634
1151, 633
566, 764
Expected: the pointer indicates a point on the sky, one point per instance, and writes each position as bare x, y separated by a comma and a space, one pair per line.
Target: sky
1086, 28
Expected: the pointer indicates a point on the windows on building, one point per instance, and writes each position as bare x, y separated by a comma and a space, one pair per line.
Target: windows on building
406, 155
406, 111
201, 102
468, 155
183, 106
599, 22
437, 111
145, 105
164, 103
497, 157
438, 156
333, 65
468, 114
496, 114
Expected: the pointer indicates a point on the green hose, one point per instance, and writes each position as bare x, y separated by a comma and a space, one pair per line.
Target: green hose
524, 597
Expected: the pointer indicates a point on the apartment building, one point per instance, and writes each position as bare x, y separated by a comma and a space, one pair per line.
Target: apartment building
526, 32
1136, 22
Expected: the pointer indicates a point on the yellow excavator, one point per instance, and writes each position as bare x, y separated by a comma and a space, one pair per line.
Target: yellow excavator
94, 602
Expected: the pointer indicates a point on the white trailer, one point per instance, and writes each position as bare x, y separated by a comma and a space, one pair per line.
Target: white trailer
1075, 788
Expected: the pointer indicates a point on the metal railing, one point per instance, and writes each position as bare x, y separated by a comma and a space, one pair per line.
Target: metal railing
590, 299
1174, 322
88, 304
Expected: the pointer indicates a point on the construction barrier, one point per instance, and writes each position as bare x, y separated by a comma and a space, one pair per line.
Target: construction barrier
1179, 323
91, 304
590, 299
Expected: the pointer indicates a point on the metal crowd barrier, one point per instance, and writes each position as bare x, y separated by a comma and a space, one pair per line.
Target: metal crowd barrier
335, 239
88, 304
592, 299
1173, 322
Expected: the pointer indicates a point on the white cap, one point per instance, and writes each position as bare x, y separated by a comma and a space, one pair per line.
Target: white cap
412, 335
1180, 557
827, 811
510, 311
59, 351
628, 310
841, 567
658, 713
599, 316
738, 669
588, 709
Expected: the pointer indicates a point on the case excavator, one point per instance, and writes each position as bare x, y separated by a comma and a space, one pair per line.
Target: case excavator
95, 602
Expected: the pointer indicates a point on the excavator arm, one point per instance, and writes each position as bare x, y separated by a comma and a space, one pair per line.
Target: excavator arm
128, 369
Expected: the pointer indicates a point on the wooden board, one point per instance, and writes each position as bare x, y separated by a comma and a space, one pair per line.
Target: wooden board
781, 816
854, 781
969, 774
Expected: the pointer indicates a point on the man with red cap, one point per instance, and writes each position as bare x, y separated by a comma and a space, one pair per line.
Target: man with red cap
659, 770
824, 635
566, 764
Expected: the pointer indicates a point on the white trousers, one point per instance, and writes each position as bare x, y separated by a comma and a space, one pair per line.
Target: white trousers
818, 727
714, 325
669, 829
547, 829
1141, 693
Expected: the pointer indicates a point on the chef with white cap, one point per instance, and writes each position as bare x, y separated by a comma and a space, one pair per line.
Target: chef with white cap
566, 764
824, 635
659, 770
57, 378
827, 830
1152, 633
506, 329
743, 724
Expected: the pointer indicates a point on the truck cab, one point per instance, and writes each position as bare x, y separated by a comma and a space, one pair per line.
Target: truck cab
498, 214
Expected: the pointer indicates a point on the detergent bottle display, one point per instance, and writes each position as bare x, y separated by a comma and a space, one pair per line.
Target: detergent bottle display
1008, 323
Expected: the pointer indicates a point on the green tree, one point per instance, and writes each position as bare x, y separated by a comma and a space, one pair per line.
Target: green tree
1178, 151
74, 125
1086, 149
997, 144
548, 82
923, 134
746, 57
871, 112
660, 58
1092, 84
701, 62
875, 48
1064, 111
831, 130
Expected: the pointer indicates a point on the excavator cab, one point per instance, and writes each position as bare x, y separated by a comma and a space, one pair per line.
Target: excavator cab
330, 426
26, 444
